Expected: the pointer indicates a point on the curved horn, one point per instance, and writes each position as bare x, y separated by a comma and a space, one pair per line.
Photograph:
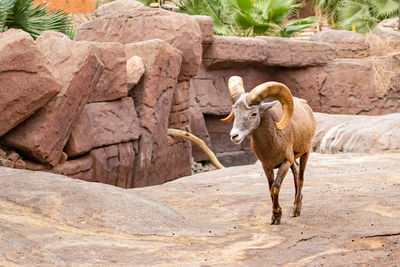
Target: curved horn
229, 118
278, 91
235, 87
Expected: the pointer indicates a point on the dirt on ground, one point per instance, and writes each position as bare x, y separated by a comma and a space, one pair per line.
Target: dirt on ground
351, 217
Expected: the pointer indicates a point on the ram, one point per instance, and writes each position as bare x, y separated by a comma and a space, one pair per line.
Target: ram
276, 144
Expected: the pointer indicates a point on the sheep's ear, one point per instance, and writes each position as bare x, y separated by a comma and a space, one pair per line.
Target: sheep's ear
266, 106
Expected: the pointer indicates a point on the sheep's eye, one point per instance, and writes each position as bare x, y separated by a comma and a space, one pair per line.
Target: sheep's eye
254, 114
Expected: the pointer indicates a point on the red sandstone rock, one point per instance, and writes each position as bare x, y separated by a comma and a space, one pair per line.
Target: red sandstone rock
347, 44
44, 135
199, 129
227, 51
288, 52
236, 52
27, 80
112, 84
180, 150
134, 71
352, 86
206, 24
114, 164
102, 124
19, 164
80, 168
6, 163
140, 24
154, 96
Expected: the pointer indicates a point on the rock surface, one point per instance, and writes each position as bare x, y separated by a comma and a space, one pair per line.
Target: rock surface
289, 52
134, 71
103, 124
27, 79
117, 6
112, 84
356, 133
141, 24
350, 214
154, 96
347, 44
348, 86
114, 164
385, 38
44, 135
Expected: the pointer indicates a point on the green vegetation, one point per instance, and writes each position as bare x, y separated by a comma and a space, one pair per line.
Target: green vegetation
364, 14
32, 18
249, 17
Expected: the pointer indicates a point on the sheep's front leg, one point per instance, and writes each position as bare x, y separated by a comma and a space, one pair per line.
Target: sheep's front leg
276, 186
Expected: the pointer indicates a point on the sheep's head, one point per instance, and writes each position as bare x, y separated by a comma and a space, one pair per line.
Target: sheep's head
247, 106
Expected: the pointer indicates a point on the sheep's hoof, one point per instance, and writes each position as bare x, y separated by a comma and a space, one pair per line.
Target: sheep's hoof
296, 211
275, 222
276, 218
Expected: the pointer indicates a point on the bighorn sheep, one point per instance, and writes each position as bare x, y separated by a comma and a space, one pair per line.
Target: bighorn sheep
277, 145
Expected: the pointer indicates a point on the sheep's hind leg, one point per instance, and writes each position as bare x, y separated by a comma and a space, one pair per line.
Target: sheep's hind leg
295, 171
276, 186
299, 196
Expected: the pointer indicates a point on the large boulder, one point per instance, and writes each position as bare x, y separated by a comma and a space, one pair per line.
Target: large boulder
117, 6
227, 51
45, 134
288, 52
112, 84
347, 44
103, 124
154, 95
357, 133
27, 79
141, 24
385, 38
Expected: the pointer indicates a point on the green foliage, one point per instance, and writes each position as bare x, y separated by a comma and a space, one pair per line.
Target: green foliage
218, 10
265, 17
32, 18
364, 14
296, 26
248, 17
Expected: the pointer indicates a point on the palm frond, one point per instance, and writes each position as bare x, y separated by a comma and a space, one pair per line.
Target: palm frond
296, 26
34, 19
385, 8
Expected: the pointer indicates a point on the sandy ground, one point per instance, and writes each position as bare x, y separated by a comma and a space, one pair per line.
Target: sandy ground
351, 217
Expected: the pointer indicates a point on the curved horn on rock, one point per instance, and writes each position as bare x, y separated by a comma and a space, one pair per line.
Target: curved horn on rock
278, 91
235, 86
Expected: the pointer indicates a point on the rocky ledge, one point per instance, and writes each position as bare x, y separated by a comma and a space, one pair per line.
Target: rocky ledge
350, 214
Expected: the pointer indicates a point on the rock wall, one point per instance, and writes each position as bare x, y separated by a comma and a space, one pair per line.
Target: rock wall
98, 107
336, 72
106, 101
